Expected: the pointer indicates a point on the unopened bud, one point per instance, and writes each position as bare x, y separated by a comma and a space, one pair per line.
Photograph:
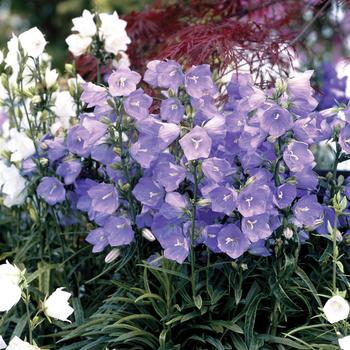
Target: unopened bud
69, 68
288, 233
147, 234
112, 255
36, 99
43, 161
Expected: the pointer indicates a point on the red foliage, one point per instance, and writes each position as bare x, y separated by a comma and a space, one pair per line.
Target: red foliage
223, 32
202, 31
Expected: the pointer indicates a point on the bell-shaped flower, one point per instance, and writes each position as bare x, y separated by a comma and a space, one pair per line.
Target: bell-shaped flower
57, 306
336, 309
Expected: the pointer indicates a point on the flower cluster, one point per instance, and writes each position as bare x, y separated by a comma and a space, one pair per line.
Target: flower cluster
193, 171
91, 31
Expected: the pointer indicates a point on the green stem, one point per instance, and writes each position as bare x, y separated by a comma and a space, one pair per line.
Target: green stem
125, 167
193, 228
335, 254
30, 328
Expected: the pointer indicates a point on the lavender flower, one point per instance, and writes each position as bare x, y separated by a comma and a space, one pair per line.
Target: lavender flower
69, 170
308, 211
104, 198
172, 110
276, 121
93, 95
196, 144
223, 199
51, 190
137, 104
123, 82
232, 241
198, 81
148, 192
169, 75
119, 231
169, 175
254, 200
284, 196
344, 138
216, 169
256, 227
98, 239
297, 156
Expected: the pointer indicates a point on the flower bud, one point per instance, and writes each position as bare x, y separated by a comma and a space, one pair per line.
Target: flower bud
43, 161
36, 99
112, 255
147, 234
50, 77
288, 233
69, 68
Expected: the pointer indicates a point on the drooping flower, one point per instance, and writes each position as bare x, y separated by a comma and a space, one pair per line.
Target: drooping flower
57, 306
169, 175
196, 144
69, 170
51, 190
10, 272
93, 95
308, 212
78, 44
336, 309
211, 240
344, 138
232, 241
123, 82
148, 192
174, 206
32, 42
169, 75
119, 231
12, 185
104, 198
137, 104
98, 239
297, 156
284, 196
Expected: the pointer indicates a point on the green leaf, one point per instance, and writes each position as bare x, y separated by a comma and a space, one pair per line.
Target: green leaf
198, 301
